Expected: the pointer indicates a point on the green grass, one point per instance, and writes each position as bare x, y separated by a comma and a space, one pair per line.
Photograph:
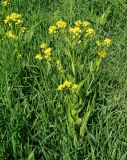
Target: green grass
33, 120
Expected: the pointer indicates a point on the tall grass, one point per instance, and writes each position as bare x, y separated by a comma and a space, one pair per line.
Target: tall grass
33, 120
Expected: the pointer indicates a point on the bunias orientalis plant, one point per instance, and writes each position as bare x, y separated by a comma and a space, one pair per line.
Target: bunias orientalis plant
14, 28
76, 54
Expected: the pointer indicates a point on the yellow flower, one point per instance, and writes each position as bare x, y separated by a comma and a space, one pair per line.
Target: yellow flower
5, 3
8, 19
98, 43
43, 46
10, 34
75, 30
13, 18
74, 86
102, 54
67, 84
52, 29
61, 87
19, 21
78, 23
107, 41
38, 56
47, 53
85, 24
90, 32
61, 24
23, 29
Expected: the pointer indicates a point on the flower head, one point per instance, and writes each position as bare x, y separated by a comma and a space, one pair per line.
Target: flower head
90, 32
102, 54
43, 46
76, 30
13, 18
61, 87
86, 24
107, 41
74, 86
78, 23
47, 53
98, 43
52, 29
10, 34
23, 29
5, 3
38, 56
67, 85
61, 24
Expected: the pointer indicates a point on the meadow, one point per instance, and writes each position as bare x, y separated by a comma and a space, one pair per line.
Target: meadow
63, 80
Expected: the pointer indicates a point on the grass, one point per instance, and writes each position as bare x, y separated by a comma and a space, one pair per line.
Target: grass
33, 117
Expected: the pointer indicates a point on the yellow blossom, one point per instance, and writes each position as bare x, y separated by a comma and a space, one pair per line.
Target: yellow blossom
23, 29
78, 23
52, 29
13, 18
67, 84
5, 3
61, 87
10, 34
74, 86
61, 24
38, 56
19, 21
98, 43
47, 53
107, 41
90, 32
75, 30
43, 46
102, 54
85, 24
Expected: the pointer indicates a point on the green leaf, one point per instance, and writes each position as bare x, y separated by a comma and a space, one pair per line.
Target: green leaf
84, 122
31, 156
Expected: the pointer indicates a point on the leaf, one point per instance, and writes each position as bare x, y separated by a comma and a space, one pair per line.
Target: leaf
103, 18
14, 144
84, 122
31, 156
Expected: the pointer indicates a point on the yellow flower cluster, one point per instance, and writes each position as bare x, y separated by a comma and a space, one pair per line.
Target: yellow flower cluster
23, 29
106, 42
78, 23
52, 29
90, 32
67, 85
13, 18
75, 30
5, 3
102, 54
86, 24
10, 34
38, 56
46, 51
59, 24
